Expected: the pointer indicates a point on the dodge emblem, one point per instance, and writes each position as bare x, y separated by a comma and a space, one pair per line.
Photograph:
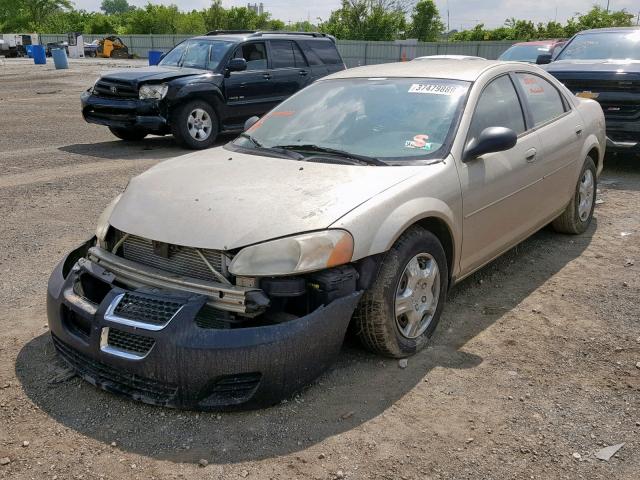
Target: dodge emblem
113, 89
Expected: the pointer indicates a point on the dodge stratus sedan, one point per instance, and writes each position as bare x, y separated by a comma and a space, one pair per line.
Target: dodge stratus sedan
228, 278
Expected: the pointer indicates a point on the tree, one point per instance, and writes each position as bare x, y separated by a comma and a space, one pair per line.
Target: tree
366, 20
115, 7
426, 24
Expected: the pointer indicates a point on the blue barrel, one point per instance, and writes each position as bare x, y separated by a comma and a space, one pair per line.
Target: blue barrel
154, 57
29, 49
59, 58
39, 55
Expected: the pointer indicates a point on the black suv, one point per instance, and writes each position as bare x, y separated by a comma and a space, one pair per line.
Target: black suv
604, 64
209, 85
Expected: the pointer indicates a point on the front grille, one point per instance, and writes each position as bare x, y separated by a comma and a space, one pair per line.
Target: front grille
145, 309
624, 110
123, 89
114, 379
232, 389
601, 85
139, 345
212, 318
181, 260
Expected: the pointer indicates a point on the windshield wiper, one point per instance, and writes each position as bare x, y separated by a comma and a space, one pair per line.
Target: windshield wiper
363, 159
281, 151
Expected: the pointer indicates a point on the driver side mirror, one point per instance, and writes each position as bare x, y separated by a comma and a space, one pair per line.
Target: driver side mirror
490, 140
237, 65
250, 122
543, 59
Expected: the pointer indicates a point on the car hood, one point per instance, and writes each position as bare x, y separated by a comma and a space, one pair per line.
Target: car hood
223, 200
153, 74
603, 66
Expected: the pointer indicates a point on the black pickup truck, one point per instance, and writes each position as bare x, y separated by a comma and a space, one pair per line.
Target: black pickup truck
604, 65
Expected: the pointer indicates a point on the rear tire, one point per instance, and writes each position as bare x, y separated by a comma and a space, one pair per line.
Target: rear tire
128, 134
577, 216
400, 311
195, 125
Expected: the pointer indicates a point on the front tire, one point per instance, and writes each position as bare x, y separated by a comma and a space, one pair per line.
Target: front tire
128, 134
195, 125
400, 311
577, 216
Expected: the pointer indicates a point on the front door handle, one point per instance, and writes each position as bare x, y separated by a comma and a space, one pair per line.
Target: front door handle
531, 154
266, 76
304, 73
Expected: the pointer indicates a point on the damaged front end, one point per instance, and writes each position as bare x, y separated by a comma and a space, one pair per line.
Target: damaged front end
170, 325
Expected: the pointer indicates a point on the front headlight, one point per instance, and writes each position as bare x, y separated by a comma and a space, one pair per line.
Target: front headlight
156, 91
103, 220
292, 255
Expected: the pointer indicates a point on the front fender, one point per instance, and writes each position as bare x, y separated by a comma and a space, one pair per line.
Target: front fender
206, 91
432, 194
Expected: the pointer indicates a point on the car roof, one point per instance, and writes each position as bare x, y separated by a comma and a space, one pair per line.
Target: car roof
540, 42
434, 68
610, 30
242, 36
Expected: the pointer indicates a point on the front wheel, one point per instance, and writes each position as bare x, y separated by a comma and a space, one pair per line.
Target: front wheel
128, 134
577, 216
195, 125
400, 311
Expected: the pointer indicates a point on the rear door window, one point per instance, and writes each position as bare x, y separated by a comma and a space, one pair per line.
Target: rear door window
544, 100
282, 54
498, 106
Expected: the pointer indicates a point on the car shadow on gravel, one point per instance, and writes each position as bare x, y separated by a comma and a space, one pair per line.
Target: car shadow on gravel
360, 387
160, 147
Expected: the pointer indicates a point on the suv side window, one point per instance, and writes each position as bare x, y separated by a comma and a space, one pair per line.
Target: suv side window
282, 54
543, 98
325, 50
498, 106
255, 54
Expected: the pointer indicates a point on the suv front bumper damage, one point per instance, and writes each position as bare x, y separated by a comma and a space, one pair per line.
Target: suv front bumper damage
173, 361
123, 113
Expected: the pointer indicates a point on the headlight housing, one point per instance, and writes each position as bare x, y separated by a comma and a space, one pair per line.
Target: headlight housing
293, 255
103, 221
155, 91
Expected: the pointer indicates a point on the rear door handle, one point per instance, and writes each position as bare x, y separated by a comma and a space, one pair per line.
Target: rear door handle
531, 154
266, 76
304, 73
579, 130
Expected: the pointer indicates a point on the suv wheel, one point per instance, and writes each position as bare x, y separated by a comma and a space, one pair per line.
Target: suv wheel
128, 134
400, 311
195, 125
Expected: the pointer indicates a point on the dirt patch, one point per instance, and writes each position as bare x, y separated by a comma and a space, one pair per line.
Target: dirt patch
531, 372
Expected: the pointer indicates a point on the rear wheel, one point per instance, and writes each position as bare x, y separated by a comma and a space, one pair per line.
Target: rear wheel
195, 125
128, 134
577, 216
398, 314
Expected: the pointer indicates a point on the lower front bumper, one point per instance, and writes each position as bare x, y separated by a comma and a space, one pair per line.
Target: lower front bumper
623, 136
121, 113
186, 365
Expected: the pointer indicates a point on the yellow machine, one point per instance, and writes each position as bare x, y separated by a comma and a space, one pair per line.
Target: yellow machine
112, 47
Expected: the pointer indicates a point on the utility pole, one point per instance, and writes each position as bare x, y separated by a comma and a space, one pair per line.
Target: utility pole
638, 19
607, 6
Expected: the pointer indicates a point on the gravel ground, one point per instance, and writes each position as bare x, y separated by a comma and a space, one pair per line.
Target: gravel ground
534, 368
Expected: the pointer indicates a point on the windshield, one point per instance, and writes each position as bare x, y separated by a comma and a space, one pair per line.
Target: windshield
386, 118
204, 54
623, 45
524, 53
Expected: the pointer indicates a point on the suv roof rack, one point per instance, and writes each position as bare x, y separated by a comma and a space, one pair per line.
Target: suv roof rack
259, 33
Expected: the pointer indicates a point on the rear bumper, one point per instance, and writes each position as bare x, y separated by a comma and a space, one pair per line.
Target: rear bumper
123, 113
181, 364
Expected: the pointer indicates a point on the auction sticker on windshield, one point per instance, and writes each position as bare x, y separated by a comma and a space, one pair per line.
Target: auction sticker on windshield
433, 89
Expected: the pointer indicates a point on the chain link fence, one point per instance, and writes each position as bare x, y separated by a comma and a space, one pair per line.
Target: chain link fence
354, 53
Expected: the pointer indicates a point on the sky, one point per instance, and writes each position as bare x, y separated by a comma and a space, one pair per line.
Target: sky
462, 13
